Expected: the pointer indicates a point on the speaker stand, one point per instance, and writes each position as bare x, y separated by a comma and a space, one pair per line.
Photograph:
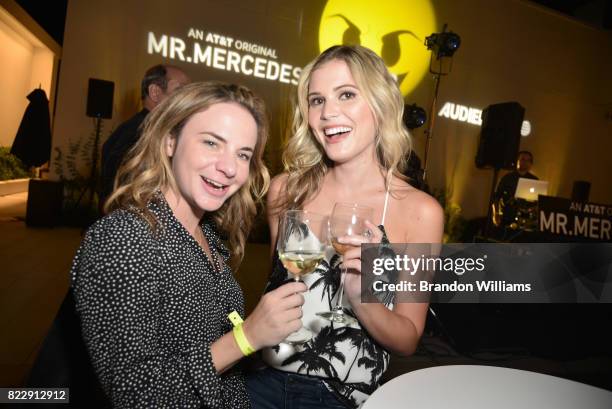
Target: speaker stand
438, 73
430, 125
90, 185
489, 226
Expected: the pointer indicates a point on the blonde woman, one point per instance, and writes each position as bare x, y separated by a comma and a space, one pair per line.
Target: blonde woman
348, 146
152, 281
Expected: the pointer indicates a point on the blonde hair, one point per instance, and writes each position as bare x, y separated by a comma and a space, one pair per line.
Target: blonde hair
304, 158
147, 169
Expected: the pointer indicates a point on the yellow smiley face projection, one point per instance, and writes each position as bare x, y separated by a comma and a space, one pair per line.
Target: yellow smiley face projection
394, 29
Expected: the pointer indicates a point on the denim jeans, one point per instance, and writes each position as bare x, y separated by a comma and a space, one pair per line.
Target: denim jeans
273, 389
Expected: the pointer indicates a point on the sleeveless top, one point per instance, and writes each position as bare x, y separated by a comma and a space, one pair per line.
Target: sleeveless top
346, 358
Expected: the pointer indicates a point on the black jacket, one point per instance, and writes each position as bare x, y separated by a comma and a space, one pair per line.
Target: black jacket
116, 147
33, 140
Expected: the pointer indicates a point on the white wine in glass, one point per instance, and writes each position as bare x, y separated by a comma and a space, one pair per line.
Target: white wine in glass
302, 238
347, 220
300, 263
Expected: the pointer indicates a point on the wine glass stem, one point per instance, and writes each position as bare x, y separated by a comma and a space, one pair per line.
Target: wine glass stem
341, 290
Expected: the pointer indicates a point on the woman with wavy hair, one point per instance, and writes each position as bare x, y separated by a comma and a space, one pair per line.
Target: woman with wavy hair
349, 145
152, 282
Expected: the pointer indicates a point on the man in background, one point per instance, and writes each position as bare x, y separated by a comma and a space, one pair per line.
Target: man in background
507, 185
159, 81
504, 205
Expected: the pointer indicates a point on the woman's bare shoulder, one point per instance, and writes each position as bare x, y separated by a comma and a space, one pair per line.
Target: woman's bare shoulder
407, 194
276, 195
416, 212
277, 185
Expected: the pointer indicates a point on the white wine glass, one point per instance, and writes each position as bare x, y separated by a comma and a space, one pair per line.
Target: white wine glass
347, 220
302, 239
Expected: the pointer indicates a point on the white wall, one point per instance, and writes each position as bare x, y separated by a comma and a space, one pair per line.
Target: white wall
29, 60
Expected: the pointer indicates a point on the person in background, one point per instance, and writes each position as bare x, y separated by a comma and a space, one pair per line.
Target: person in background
159, 81
504, 206
349, 144
160, 310
506, 188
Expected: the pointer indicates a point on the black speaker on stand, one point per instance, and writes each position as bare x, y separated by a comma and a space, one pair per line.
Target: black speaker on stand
99, 106
500, 138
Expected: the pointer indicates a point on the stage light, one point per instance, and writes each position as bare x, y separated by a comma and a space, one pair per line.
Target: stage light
444, 44
414, 116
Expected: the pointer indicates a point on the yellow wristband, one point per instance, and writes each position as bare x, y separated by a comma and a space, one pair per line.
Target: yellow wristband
239, 336
242, 341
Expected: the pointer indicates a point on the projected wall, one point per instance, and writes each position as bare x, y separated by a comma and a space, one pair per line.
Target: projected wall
511, 52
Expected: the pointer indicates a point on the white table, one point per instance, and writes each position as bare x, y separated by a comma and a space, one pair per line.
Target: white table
485, 387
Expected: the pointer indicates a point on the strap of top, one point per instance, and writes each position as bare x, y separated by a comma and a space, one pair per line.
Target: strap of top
382, 222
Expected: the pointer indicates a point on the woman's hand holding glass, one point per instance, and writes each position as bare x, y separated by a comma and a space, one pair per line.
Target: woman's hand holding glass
278, 314
351, 260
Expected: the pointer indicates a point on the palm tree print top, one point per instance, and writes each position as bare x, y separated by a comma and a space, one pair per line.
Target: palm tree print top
347, 358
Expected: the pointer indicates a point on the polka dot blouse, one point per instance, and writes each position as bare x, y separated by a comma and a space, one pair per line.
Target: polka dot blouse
150, 306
